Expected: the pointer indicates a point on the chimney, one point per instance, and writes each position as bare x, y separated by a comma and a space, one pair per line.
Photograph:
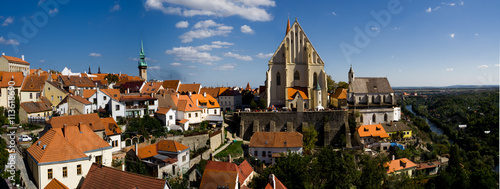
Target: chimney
3, 54
177, 95
22, 57
64, 130
370, 122
189, 94
393, 157
205, 94
136, 150
229, 155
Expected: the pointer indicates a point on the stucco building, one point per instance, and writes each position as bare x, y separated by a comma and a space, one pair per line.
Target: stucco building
13, 64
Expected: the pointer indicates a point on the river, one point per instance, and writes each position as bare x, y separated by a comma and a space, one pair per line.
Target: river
434, 128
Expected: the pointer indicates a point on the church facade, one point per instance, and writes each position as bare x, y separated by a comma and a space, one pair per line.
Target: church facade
296, 78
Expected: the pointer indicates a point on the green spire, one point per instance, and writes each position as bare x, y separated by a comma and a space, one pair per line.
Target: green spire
317, 86
142, 56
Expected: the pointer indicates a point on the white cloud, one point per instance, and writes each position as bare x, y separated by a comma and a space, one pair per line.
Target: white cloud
375, 28
497, 65
239, 57
253, 10
476, 35
192, 54
226, 67
400, 70
182, 24
8, 41
192, 67
209, 63
221, 43
116, 7
452, 35
428, 10
461, 3
95, 55
153, 67
192, 74
448, 69
432, 9
396, 28
204, 30
334, 14
246, 29
53, 11
483, 66
264, 56
8, 20
175, 64
449, 4
42, 61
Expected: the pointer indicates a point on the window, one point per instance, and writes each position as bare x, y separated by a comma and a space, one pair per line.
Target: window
361, 119
263, 153
195, 114
278, 79
49, 174
60, 98
31, 95
386, 118
256, 153
78, 169
117, 107
52, 97
37, 95
215, 111
104, 97
189, 115
269, 154
315, 79
296, 75
65, 171
98, 160
374, 118
170, 117
373, 99
184, 158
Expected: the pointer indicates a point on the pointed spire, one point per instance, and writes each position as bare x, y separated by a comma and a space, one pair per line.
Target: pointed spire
142, 56
89, 70
350, 70
288, 26
99, 70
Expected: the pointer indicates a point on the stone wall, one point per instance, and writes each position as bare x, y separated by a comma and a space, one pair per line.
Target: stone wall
329, 124
215, 140
194, 142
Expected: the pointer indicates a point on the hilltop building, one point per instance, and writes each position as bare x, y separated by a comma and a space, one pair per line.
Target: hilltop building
13, 64
296, 77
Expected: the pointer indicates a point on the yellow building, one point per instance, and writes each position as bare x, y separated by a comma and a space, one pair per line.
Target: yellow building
53, 93
394, 127
35, 111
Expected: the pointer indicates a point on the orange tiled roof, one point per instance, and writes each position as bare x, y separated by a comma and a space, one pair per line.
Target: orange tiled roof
183, 121
184, 103
171, 146
186, 88
92, 120
340, 93
109, 178
276, 139
15, 59
212, 91
82, 137
302, 91
399, 164
375, 130
87, 93
112, 93
244, 170
34, 83
127, 97
5, 77
219, 174
151, 87
174, 84
147, 151
55, 184
40, 106
278, 184
110, 126
76, 81
57, 148
208, 101
162, 110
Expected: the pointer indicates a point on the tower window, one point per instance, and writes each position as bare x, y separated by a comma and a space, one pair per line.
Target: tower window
296, 75
278, 79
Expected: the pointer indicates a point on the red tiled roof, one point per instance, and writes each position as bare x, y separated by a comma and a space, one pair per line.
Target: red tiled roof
57, 148
375, 130
107, 178
209, 101
15, 59
184, 103
171, 146
92, 120
171, 84
186, 88
110, 126
80, 99
183, 121
87, 93
33, 107
276, 139
76, 81
302, 91
82, 137
244, 170
221, 166
162, 110
151, 87
6, 77
112, 93
127, 97
399, 164
55, 184
214, 92
34, 83
340, 93
147, 151
131, 86
278, 184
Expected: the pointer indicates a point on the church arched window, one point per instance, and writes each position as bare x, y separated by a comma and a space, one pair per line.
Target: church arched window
315, 79
278, 79
374, 118
385, 117
296, 75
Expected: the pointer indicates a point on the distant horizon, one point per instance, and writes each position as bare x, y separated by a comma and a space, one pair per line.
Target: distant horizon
412, 43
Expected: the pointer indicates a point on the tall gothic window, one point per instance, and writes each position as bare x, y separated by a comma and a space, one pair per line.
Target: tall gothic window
315, 79
278, 79
374, 118
296, 75
386, 118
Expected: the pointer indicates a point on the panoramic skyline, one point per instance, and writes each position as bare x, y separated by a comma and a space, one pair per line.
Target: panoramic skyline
221, 43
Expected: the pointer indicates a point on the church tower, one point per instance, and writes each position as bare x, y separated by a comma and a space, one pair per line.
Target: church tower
351, 75
143, 65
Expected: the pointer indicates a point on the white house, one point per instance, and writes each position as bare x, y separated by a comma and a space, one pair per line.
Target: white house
210, 109
171, 157
186, 109
266, 146
67, 154
166, 115
112, 133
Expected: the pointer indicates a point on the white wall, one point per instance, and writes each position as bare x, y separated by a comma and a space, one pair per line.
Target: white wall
268, 158
115, 138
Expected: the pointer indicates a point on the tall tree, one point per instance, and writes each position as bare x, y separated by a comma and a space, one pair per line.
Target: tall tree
310, 138
330, 83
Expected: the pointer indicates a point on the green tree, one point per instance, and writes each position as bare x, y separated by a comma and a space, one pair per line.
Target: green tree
335, 169
330, 84
111, 78
253, 105
372, 173
310, 138
343, 84
18, 104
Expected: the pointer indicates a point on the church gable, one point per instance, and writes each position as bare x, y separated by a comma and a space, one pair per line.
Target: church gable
296, 48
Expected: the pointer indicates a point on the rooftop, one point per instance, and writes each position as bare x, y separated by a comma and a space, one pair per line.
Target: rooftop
276, 139
106, 178
375, 130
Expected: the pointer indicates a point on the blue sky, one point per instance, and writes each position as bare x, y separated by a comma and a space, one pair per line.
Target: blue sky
215, 43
